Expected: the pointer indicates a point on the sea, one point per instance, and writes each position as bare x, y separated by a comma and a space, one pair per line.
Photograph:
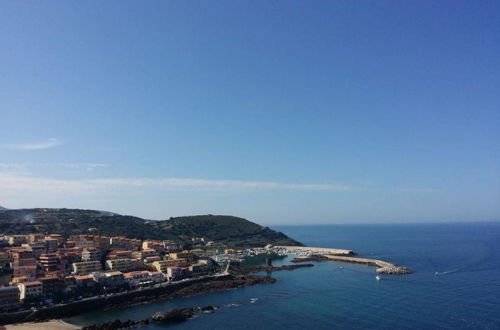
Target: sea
456, 284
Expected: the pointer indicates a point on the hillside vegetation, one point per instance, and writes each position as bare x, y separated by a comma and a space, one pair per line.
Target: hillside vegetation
228, 230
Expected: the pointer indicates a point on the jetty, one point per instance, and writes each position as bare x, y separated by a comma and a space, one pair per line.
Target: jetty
308, 250
306, 253
383, 267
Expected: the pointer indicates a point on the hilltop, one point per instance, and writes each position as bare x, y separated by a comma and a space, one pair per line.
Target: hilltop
228, 230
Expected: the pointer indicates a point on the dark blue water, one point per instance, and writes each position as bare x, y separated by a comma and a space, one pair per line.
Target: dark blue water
466, 294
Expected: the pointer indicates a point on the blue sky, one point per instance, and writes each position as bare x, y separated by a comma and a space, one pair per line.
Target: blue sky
278, 111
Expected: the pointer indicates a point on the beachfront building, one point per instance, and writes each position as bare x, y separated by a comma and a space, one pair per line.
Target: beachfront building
115, 278
138, 278
86, 267
177, 273
162, 265
202, 267
51, 285
84, 281
143, 278
9, 298
30, 290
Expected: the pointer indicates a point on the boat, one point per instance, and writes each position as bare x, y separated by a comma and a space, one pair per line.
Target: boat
378, 278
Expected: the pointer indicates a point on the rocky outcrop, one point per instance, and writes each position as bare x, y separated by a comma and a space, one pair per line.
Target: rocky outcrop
171, 316
394, 270
181, 314
175, 315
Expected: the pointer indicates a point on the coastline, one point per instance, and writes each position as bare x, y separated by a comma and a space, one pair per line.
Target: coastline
219, 282
127, 299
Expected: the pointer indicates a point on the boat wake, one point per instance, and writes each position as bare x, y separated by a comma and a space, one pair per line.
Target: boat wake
447, 272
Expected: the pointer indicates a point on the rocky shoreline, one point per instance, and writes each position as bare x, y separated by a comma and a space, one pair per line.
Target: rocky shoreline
163, 318
200, 287
234, 282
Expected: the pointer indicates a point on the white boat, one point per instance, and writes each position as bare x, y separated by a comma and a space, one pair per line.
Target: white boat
378, 278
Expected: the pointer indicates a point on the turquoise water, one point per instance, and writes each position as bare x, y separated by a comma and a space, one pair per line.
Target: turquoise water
465, 294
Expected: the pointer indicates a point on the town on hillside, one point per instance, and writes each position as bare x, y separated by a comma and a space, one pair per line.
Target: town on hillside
38, 270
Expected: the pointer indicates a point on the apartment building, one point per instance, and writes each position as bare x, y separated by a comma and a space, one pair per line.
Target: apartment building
30, 290
86, 267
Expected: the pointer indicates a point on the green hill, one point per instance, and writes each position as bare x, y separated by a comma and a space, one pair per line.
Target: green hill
228, 230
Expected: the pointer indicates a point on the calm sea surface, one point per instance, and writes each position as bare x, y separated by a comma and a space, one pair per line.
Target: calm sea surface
464, 295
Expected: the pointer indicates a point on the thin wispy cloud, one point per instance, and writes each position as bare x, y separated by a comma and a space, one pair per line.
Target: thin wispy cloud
12, 182
37, 166
39, 145
85, 166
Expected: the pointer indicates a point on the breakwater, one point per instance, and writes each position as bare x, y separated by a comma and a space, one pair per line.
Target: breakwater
308, 250
383, 267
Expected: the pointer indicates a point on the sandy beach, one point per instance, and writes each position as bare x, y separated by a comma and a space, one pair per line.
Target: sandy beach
49, 325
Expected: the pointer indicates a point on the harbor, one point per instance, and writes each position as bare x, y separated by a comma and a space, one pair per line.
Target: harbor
306, 253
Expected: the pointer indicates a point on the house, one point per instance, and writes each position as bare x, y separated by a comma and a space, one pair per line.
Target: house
201, 267
177, 273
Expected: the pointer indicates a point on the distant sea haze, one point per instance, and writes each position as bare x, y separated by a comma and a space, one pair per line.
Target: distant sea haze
456, 284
